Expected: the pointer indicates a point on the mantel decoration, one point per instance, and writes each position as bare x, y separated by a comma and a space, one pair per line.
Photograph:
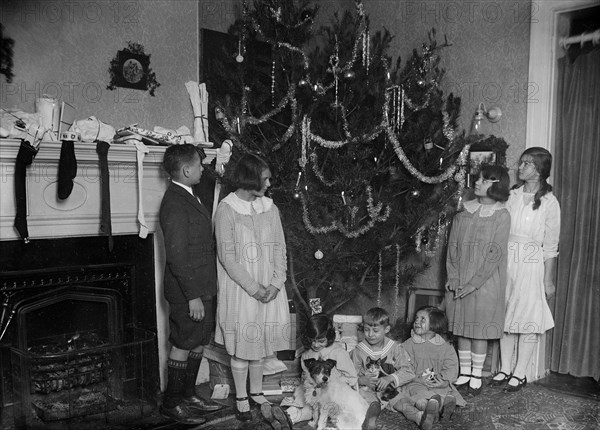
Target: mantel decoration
131, 69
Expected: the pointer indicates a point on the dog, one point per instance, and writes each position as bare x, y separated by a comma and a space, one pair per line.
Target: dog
381, 369
331, 398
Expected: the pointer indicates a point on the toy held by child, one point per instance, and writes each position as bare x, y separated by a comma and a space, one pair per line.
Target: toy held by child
383, 365
430, 395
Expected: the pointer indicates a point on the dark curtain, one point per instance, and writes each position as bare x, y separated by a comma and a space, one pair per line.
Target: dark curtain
575, 346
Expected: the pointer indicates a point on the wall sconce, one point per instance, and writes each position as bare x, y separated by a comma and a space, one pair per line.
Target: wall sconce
493, 115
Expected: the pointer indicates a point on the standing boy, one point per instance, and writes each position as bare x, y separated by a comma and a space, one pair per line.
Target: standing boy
190, 283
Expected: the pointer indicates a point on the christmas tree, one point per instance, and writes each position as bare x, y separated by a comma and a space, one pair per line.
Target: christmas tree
368, 167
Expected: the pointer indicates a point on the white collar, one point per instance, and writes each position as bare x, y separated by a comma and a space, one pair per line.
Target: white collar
436, 340
244, 207
185, 187
486, 210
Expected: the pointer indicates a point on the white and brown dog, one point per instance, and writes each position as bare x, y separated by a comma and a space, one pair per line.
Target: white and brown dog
331, 398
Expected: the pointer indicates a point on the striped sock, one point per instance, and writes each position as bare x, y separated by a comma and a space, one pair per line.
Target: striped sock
478, 360
464, 359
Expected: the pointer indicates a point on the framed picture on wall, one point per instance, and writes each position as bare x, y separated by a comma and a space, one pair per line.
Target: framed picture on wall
491, 150
130, 68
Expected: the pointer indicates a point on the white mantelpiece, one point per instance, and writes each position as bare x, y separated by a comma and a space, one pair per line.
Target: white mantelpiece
79, 214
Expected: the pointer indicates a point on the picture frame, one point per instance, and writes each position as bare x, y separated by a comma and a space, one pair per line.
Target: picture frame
491, 150
130, 68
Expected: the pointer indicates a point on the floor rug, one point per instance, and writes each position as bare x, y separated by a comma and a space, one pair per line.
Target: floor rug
534, 407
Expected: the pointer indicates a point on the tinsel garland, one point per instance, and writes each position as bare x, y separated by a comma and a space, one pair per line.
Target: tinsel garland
397, 284
374, 212
379, 276
315, 161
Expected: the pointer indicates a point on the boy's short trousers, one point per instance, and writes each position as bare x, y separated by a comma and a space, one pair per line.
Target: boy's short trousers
186, 333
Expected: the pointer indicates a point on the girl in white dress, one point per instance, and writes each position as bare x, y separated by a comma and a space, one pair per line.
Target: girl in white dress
532, 252
253, 319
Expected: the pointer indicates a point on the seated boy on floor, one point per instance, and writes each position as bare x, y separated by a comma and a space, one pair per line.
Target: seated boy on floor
382, 364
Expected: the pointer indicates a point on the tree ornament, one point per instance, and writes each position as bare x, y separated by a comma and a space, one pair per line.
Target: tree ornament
421, 83
319, 254
428, 144
303, 83
424, 240
239, 58
306, 15
415, 193
296, 195
349, 75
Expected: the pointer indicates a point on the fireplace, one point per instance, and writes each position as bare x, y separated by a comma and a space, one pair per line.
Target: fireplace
79, 329
68, 256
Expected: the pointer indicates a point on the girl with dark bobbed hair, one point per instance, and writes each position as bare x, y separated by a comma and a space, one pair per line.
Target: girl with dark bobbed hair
476, 265
533, 248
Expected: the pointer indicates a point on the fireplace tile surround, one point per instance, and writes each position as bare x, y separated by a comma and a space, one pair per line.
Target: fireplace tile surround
66, 245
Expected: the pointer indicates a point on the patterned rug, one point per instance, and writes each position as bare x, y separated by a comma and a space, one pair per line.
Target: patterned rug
534, 407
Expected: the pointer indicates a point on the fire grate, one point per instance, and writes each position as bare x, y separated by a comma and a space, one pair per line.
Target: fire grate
53, 372
82, 382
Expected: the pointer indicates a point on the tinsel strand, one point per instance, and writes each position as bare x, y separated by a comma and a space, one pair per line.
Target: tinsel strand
379, 275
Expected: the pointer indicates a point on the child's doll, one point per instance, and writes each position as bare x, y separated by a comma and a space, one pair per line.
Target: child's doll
431, 394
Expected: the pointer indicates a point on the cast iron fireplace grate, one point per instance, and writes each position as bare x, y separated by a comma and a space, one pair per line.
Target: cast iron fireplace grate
74, 357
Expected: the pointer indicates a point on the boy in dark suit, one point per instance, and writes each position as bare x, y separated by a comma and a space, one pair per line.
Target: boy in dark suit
190, 283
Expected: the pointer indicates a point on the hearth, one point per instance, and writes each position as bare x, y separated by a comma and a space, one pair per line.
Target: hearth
78, 328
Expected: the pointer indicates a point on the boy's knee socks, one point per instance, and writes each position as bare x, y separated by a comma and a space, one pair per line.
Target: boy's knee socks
176, 373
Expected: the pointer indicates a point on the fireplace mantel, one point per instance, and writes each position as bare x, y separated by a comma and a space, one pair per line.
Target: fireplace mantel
79, 214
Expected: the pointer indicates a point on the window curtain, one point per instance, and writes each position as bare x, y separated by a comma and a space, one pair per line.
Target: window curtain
575, 345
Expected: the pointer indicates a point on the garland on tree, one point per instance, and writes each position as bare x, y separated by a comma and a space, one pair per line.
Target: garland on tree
367, 163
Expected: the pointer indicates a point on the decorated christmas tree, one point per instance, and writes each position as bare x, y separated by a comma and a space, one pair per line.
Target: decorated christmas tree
368, 167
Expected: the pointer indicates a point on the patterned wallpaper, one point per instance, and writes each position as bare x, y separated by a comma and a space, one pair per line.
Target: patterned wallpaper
63, 49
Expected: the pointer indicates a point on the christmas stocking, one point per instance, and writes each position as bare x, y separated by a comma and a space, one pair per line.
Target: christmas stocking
25, 157
105, 219
67, 169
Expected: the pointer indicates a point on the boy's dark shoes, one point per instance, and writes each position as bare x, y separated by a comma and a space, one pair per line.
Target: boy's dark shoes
182, 414
198, 404
370, 422
242, 415
448, 407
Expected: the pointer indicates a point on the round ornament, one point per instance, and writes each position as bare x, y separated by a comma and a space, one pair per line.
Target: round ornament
305, 15
239, 58
421, 82
415, 193
318, 254
296, 195
303, 83
349, 75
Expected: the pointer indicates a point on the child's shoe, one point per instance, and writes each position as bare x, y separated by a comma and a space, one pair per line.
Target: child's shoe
429, 414
448, 407
370, 422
